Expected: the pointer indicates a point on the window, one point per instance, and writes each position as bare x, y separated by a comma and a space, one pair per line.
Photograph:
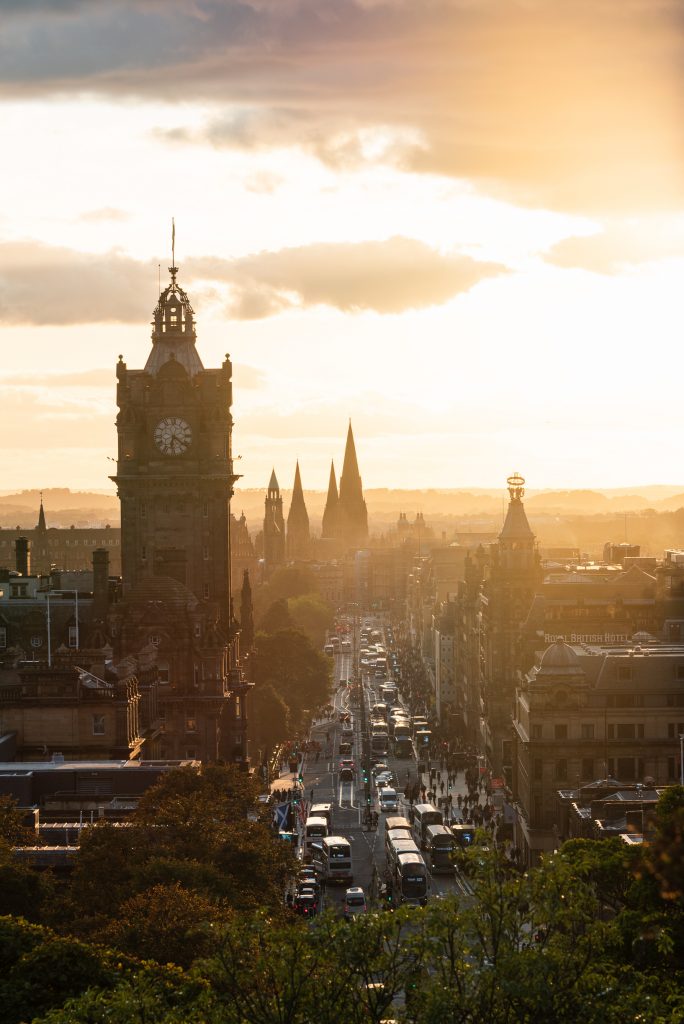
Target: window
674, 729
73, 636
3, 636
536, 732
98, 725
561, 770
190, 721
610, 732
671, 768
36, 641
206, 591
205, 552
588, 732
143, 510
155, 639
560, 732
163, 669
198, 630
205, 509
191, 753
680, 671
537, 768
629, 769
626, 732
587, 769
675, 700
143, 553
238, 708
197, 675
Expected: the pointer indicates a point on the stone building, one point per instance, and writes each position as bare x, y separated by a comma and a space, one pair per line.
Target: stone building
352, 514
588, 712
175, 481
51, 547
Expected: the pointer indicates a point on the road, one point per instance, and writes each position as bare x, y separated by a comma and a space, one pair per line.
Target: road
322, 785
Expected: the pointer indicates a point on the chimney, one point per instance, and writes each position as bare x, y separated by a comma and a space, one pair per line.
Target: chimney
100, 582
22, 556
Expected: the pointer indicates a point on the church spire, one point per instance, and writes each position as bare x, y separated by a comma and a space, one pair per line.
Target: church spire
516, 526
298, 521
41, 516
353, 515
329, 526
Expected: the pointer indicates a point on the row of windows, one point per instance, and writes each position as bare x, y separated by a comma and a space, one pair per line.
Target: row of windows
613, 731
626, 769
37, 638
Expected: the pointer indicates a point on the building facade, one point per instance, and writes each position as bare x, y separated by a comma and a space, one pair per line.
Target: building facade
175, 481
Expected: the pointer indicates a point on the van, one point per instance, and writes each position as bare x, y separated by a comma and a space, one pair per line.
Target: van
388, 799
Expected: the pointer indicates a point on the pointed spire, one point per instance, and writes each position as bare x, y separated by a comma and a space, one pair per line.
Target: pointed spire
298, 521
41, 515
273, 482
353, 515
350, 481
329, 526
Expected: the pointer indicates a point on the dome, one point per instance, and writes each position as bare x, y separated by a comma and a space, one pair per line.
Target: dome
163, 590
560, 658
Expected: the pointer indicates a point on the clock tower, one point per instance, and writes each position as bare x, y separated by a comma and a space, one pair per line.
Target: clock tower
175, 480
175, 472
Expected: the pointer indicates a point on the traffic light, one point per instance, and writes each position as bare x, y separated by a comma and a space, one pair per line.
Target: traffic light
300, 777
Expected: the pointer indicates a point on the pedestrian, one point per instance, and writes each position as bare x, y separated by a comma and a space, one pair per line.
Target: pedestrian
312, 793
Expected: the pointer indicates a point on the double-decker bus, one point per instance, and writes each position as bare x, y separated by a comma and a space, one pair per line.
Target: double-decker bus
439, 847
333, 859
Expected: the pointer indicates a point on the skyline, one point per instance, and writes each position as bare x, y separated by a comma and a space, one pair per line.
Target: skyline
461, 227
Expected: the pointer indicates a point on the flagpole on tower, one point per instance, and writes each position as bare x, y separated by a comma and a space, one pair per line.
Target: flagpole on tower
173, 268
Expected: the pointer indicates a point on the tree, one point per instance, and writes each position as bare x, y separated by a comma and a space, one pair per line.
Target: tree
276, 617
298, 672
13, 830
312, 616
270, 716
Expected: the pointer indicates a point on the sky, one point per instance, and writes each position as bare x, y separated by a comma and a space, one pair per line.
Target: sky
459, 223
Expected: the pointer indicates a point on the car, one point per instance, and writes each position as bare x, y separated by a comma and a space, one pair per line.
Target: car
305, 904
346, 775
307, 876
354, 902
310, 888
384, 779
347, 762
380, 767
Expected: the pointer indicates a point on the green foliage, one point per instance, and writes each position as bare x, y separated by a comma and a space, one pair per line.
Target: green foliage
12, 828
40, 970
23, 891
276, 617
289, 663
269, 716
311, 615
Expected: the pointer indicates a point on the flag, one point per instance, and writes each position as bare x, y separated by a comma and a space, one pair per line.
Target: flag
280, 815
303, 811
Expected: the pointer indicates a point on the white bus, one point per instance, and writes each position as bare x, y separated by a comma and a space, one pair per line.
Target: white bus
322, 811
397, 834
439, 846
424, 815
315, 829
398, 846
333, 859
411, 879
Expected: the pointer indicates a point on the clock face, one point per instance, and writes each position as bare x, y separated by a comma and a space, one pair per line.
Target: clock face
172, 435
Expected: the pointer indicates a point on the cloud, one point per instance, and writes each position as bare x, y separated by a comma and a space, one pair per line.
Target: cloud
40, 284
102, 378
622, 244
43, 284
574, 106
105, 213
385, 276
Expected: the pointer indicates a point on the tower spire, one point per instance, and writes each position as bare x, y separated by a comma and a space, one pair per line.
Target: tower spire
298, 521
329, 525
173, 269
353, 515
41, 515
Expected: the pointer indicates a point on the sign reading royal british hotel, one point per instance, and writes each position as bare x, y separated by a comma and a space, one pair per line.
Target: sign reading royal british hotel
586, 638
